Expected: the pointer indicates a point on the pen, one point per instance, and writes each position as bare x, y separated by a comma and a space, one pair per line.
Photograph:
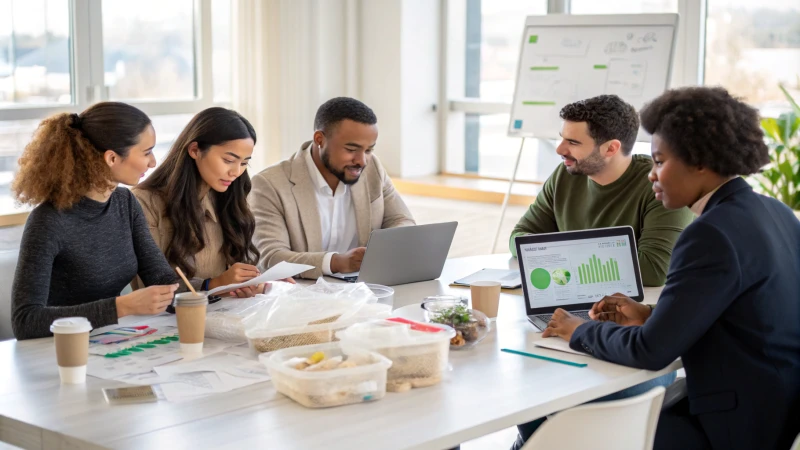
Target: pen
546, 358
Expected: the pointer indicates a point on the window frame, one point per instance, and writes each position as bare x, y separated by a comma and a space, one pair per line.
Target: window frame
88, 78
687, 70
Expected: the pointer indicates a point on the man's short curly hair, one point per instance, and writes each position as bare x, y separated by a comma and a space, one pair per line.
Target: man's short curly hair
707, 127
338, 109
608, 117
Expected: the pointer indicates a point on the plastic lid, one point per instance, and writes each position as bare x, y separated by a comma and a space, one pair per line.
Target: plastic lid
71, 325
380, 290
438, 302
189, 299
390, 333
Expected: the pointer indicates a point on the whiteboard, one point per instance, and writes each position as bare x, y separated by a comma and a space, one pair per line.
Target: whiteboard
566, 58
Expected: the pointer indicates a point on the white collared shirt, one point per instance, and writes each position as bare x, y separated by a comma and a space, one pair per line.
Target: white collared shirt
336, 214
699, 206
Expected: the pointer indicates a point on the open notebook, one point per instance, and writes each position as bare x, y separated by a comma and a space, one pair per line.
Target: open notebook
508, 279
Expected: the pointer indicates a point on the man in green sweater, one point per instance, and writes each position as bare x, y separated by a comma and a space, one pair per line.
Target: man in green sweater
602, 185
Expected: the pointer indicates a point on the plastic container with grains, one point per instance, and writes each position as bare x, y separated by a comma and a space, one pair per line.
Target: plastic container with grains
316, 332
419, 351
324, 375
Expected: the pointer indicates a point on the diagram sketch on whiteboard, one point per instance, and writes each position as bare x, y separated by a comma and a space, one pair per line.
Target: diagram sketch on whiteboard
626, 78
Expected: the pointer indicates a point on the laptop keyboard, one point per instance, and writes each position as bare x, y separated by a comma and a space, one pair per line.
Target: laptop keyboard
582, 314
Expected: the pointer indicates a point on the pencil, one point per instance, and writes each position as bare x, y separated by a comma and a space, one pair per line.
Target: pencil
546, 358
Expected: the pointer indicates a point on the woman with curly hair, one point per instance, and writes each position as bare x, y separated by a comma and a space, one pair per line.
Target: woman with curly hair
730, 307
196, 202
87, 238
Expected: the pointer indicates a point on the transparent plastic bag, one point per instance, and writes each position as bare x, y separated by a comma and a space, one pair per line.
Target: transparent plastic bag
224, 318
307, 315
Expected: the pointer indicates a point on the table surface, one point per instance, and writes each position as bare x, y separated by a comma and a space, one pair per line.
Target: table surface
486, 391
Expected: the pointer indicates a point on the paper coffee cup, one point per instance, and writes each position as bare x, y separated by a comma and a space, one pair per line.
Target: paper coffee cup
72, 348
486, 297
190, 310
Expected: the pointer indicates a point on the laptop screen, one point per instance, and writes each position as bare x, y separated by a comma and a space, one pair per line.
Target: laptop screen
568, 272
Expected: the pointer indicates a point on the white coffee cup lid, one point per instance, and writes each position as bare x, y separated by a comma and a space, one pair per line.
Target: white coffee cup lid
71, 325
189, 299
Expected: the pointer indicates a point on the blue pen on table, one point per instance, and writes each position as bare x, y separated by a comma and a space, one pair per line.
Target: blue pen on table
546, 358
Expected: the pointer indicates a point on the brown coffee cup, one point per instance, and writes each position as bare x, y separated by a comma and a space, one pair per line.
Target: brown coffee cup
190, 310
71, 335
486, 297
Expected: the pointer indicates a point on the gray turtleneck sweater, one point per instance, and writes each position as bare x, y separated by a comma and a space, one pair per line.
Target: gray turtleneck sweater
75, 262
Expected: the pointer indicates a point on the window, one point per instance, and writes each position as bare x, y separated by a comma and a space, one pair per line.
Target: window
494, 32
221, 53
148, 49
34, 53
150, 55
493, 35
751, 47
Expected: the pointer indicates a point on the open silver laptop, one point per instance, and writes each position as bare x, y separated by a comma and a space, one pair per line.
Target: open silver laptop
573, 270
404, 254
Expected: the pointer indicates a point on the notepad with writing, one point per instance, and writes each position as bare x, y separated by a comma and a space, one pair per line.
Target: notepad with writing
509, 279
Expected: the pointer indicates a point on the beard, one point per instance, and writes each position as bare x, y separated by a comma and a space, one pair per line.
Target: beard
590, 165
341, 175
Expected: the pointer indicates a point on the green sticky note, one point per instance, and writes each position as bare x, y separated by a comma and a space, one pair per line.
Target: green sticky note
134, 349
146, 346
533, 39
600, 66
123, 353
544, 68
161, 341
172, 338
111, 355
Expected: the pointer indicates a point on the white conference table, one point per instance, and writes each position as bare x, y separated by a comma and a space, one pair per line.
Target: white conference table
486, 391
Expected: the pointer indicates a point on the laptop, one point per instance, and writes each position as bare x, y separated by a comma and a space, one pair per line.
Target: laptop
575, 269
404, 254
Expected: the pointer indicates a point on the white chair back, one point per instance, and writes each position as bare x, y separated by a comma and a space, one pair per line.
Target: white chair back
628, 424
8, 265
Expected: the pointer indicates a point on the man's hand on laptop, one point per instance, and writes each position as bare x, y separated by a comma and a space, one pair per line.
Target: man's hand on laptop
349, 262
563, 324
620, 309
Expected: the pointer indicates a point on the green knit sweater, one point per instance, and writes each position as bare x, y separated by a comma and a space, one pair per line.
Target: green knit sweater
574, 202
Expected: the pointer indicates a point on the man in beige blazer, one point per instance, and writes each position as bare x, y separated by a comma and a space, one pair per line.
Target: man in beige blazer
319, 206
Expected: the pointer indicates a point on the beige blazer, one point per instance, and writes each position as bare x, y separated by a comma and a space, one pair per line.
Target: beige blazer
288, 228
210, 261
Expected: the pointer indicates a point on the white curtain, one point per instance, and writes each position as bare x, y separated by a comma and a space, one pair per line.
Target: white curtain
289, 56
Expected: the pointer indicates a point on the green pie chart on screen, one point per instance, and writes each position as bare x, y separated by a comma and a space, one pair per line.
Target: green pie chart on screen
540, 279
561, 277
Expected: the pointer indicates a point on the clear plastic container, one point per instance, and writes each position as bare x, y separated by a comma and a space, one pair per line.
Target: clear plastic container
419, 351
264, 341
385, 294
323, 389
471, 325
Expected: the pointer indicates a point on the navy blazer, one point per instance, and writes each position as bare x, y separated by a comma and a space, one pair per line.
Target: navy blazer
731, 310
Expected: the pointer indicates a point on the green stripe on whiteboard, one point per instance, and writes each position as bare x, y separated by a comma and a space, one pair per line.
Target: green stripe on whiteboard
544, 68
539, 103
600, 66
533, 39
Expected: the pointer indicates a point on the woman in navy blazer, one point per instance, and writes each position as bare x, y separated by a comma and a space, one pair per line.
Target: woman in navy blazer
731, 305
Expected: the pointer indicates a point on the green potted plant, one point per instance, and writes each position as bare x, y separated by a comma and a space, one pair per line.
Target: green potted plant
781, 177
